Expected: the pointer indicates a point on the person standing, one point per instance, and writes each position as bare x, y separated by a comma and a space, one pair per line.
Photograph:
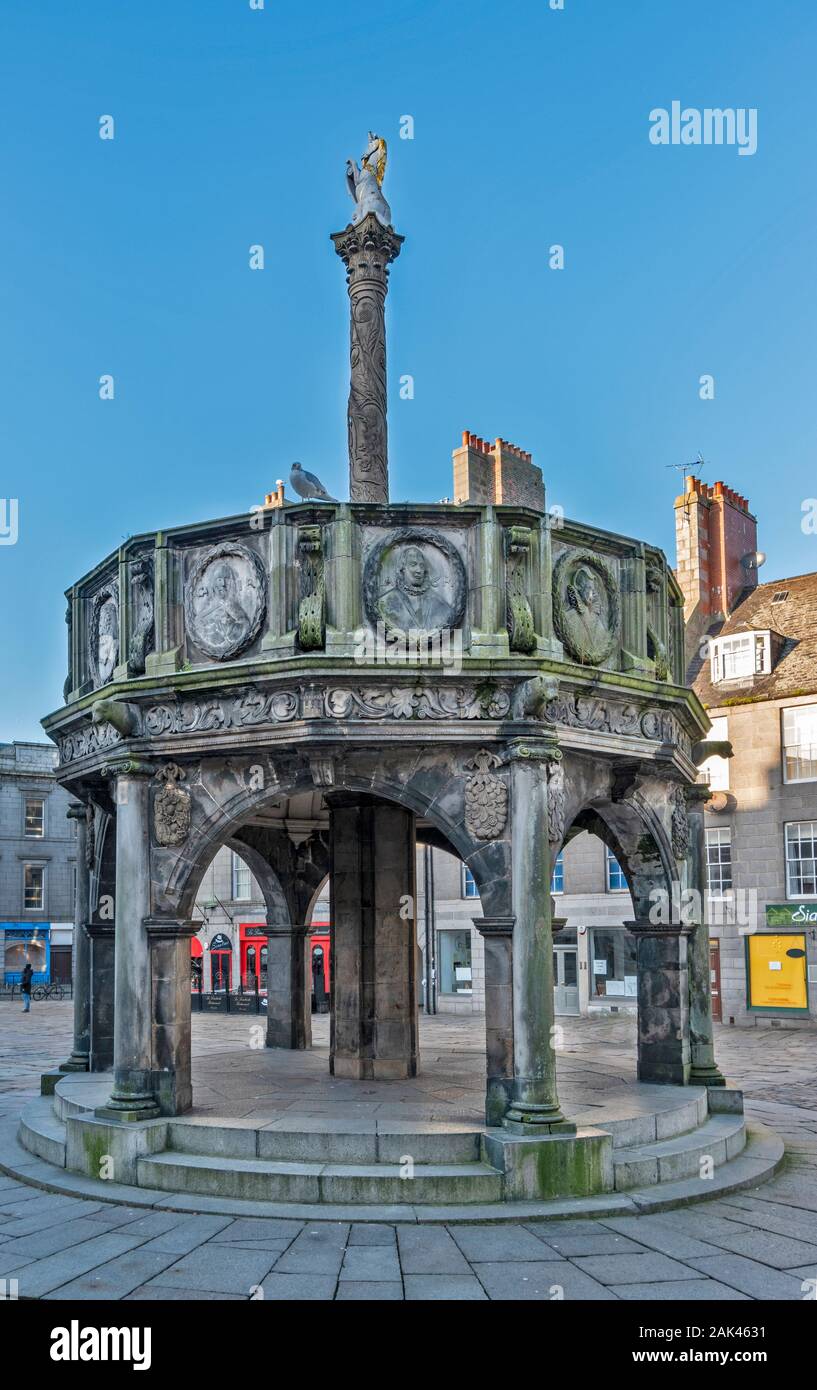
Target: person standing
25, 986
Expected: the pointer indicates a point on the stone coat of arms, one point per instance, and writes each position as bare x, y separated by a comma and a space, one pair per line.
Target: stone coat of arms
486, 798
171, 807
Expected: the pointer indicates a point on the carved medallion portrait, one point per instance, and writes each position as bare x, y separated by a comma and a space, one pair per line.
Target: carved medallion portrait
225, 600
586, 606
414, 581
103, 647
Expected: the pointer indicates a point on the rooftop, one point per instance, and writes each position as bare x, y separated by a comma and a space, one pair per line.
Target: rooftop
764, 609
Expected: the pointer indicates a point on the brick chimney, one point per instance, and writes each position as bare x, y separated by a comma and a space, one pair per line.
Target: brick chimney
714, 532
496, 474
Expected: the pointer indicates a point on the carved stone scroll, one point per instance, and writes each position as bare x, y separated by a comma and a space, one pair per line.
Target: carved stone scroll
312, 606
521, 634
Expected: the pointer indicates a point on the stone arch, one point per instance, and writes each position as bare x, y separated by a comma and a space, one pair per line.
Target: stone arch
178, 871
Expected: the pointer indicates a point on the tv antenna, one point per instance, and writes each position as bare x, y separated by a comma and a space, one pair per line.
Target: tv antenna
689, 470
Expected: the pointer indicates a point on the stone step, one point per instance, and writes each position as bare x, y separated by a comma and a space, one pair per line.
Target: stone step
368, 1142
41, 1132
720, 1138
361, 1184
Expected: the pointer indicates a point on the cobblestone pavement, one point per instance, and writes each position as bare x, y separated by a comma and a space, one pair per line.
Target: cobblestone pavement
760, 1246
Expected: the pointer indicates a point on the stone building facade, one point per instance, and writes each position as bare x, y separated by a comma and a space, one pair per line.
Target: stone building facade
752, 652
38, 852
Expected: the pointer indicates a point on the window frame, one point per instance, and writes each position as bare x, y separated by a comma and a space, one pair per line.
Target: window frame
28, 797
465, 876
719, 893
239, 866
793, 709
792, 896
35, 864
610, 860
758, 640
558, 864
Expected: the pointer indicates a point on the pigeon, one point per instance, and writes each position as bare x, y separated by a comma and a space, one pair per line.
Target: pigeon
307, 485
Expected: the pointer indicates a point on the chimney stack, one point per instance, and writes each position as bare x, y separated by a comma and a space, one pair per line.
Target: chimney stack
714, 532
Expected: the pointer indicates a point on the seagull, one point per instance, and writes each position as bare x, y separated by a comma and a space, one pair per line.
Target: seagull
307, 485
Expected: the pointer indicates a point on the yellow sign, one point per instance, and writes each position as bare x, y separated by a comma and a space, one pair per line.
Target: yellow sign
777, 972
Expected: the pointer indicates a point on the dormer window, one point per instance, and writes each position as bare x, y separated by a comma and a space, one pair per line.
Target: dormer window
746, 655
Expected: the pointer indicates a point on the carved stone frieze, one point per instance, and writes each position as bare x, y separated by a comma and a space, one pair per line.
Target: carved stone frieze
90, 738
171, 807
251, 707
616, 717
225, 600
486, 797
557, 800
418, 702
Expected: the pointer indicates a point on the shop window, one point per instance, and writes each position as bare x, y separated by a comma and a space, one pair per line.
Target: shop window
801, 859
557, 882
34, 818
242, 888
612, 964
469, 884
800, 744
719, 860
454, 957
616, 881
33, 887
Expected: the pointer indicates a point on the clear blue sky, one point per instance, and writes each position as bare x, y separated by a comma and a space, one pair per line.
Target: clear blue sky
233, 126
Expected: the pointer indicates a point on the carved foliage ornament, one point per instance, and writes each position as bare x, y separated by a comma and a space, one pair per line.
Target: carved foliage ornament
418, 702
557, 801
414, 581
586, 606
225, 600
521, 633
486, 797
312, 606
142, 635
171, 807
680, 825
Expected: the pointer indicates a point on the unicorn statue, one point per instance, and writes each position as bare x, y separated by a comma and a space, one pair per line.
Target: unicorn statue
364, 183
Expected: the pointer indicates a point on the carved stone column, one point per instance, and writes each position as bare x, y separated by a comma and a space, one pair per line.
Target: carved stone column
497, 936
536, 800
366, 251
170, 1028
704, 1070
132, 1097
289, 987
81, 967
663, 1002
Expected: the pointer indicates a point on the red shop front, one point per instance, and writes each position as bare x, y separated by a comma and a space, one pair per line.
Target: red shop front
253, 947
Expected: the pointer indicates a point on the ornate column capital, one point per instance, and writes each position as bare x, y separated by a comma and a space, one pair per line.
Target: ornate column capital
171, 928
494, 926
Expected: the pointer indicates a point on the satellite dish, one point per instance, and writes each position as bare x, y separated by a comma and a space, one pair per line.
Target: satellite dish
753, 560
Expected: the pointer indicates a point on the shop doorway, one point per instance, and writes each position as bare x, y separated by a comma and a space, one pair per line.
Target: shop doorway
715, 980
565, 980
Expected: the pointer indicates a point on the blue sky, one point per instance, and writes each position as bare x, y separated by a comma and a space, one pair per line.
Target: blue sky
531, 128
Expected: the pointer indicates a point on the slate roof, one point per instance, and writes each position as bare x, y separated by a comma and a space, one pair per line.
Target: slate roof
794, 672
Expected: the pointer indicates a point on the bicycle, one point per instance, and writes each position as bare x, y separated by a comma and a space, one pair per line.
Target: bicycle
53, 991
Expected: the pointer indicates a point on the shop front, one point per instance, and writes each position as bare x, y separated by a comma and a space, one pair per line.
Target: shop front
221, 963
777, 961
611, 970
27, 945
254, 952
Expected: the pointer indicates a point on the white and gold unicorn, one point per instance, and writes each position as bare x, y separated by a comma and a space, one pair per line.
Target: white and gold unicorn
364, 183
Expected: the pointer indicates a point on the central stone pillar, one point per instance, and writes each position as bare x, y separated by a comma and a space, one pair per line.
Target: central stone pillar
132, 1097
289, 987
535, 1108
663, 1002
367, 250
374, 958
497, 936
81, 966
